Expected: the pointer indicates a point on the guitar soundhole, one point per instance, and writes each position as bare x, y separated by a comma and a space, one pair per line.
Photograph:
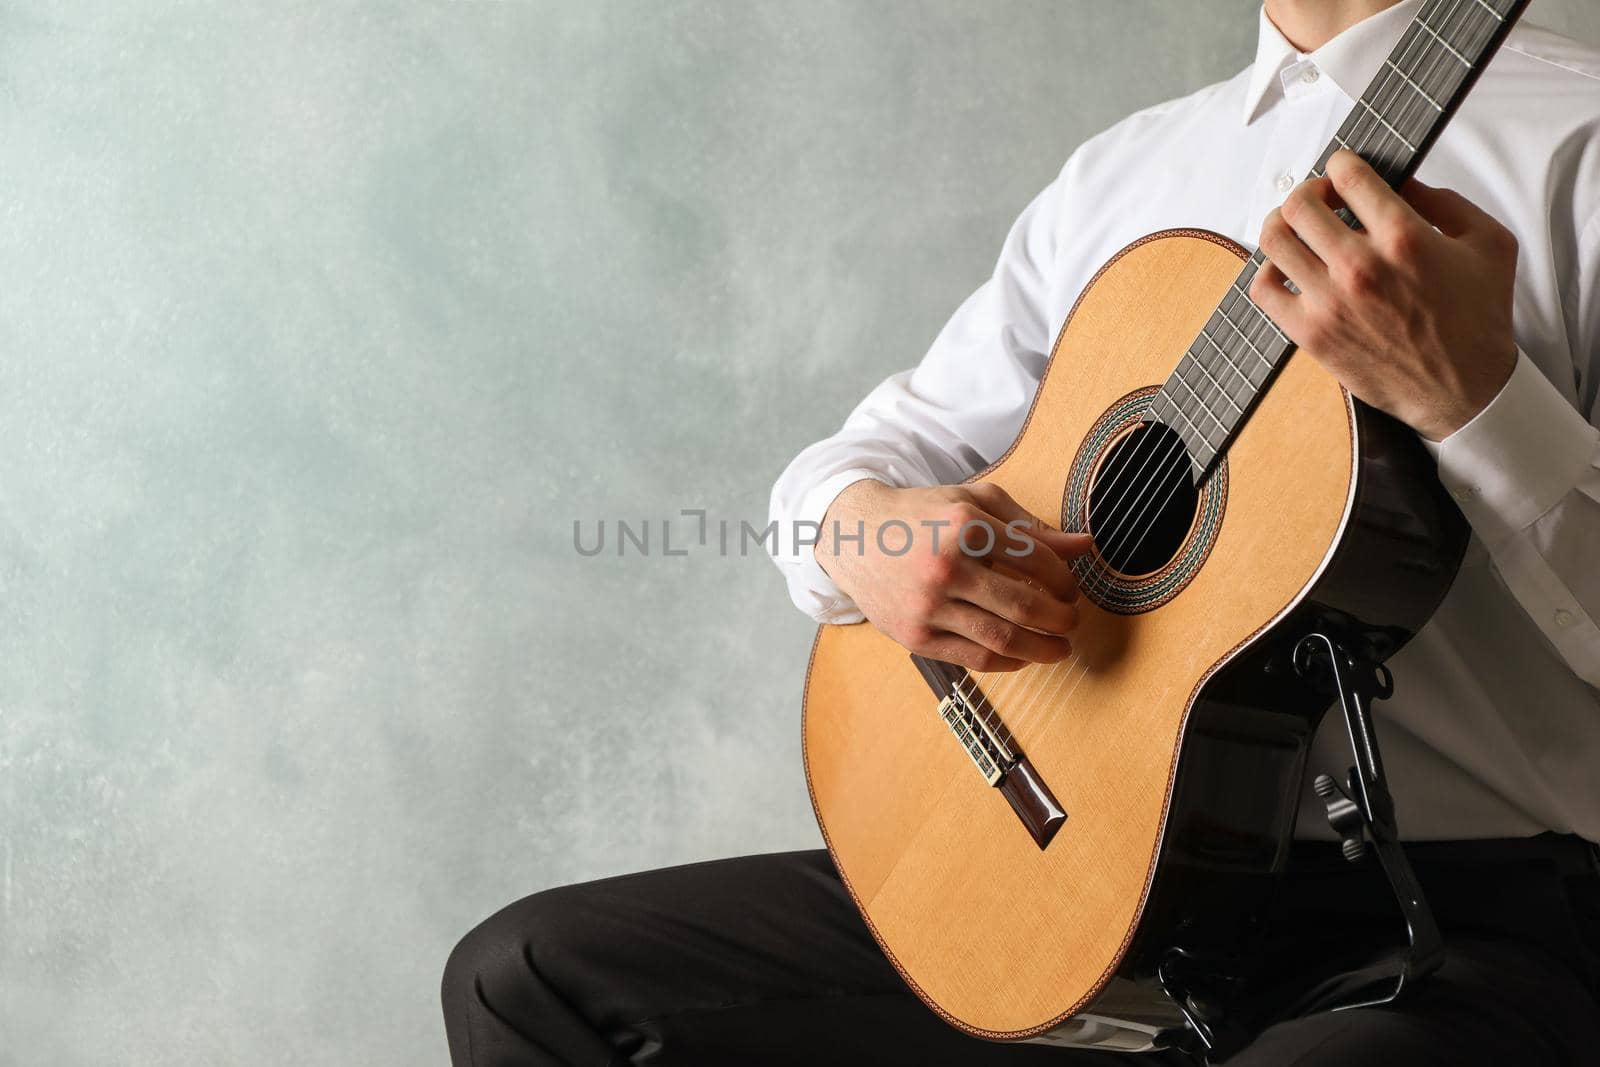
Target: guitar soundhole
1142, 502
1153, 529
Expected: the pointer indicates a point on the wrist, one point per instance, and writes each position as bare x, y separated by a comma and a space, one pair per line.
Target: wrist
1469, 399
854, 504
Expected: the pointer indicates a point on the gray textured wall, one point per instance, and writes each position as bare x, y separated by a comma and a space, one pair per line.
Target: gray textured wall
319, 326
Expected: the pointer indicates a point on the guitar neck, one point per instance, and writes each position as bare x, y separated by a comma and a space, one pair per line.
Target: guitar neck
1422, 83
1393, 125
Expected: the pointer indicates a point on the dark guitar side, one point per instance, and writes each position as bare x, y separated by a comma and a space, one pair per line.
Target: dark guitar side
1243, 756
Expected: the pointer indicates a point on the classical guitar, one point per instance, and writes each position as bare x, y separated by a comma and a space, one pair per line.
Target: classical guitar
1044, 854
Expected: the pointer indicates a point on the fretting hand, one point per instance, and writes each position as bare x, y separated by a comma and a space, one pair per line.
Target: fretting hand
1412, 313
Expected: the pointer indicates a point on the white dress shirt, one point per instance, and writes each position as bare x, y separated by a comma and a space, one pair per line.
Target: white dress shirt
1494, 729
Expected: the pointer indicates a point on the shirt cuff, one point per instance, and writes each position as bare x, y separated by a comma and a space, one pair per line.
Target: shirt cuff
1515, 459
817, 594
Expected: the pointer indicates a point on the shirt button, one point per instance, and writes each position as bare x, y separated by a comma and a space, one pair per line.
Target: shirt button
1284, 183
1309, 75
1564, 617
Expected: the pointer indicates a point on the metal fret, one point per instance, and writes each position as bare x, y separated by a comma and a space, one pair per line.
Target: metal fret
1476, 30
1245, 296
1485, 5
1192, 428
1386, 124
1205, 335
1266, 320
1154, 407
1419, 89
1240, 293
1206, 371
1444, 43
1193, 437
1173, 408
1246, 337
1203, 407
1227, 357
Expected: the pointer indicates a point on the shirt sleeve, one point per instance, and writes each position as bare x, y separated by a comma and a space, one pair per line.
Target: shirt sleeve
1526, 473
952, 415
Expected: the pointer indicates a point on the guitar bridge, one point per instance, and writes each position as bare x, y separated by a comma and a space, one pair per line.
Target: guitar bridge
979, 730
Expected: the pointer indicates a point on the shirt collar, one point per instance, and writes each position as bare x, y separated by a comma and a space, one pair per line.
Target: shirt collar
1352, 59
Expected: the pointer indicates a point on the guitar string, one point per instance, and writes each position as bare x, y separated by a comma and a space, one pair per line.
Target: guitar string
1052, 677
1390, 81
1006, 685
992, 693
1050, 671
1127, 459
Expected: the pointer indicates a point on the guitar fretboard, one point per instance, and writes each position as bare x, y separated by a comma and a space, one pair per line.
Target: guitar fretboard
1400, 114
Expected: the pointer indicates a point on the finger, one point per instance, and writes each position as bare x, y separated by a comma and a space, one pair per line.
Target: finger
1277, 302
1015, 600
1023, 544
1284, 248
1448, 211
1033, 561
1363, 190
1045, 553
1000, 636
999, 503
1309, 214
1067, 547
990, 538
953, 648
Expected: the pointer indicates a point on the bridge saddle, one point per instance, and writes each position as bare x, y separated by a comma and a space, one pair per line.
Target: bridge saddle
988, 753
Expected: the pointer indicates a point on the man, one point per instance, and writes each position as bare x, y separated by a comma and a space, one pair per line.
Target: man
1493, 740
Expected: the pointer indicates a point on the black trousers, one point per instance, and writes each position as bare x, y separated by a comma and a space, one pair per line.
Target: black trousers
764, 960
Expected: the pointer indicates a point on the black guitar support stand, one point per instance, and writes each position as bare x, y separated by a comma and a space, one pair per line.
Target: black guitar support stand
1362, 808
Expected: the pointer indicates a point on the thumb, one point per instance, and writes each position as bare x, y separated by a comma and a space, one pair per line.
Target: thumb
1446, 210
1065, 545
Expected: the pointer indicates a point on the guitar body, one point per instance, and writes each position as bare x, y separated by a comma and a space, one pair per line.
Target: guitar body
1177, 746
